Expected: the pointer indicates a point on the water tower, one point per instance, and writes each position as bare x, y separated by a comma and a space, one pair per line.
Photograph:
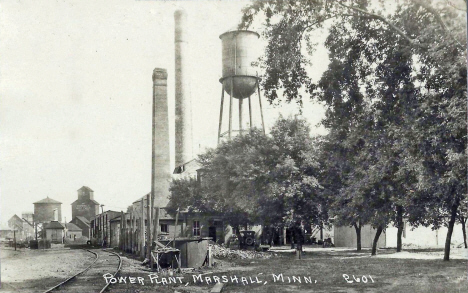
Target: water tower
239, 79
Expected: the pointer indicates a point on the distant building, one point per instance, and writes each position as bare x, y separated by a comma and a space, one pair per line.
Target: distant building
72, 231
85, 206
55, 232
412, 237
15, 223
101, 228
6, 233
83, 224
345, 236
47, 210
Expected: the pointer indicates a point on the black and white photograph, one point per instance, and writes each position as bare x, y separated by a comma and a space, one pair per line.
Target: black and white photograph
211, 146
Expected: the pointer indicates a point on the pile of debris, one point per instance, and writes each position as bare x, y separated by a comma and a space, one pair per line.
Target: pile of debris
219, 251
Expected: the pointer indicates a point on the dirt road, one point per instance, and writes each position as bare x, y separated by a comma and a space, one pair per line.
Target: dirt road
27, 270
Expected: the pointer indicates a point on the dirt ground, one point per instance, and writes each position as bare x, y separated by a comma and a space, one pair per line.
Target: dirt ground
319, 270
27, 270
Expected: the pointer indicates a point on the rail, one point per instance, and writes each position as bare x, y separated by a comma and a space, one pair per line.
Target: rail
74, 276
87, 268
115, 274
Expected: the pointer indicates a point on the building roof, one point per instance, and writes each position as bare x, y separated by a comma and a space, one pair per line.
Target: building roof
110, 215
190, 166
116, 219
143, 197
86, 188
72, 227
164, 215
15, 217
47, 200
54, 225
83, 219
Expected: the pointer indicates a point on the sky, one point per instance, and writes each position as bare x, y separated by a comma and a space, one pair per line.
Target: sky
76, 94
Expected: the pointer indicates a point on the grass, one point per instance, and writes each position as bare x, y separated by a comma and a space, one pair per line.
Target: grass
327, 268
389, 275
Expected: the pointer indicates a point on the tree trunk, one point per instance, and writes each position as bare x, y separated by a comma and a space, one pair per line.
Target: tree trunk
376, 239
400, 227
463, 222
448, 240
357, 227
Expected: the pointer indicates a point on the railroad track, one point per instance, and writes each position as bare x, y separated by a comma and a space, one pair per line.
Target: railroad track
90, 279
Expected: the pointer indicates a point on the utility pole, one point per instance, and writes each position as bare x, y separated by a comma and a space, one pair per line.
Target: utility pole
148, 230
102, 221
175, 229
142, 227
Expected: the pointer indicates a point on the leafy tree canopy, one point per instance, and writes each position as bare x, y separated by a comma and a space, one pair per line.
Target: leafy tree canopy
258, 179
395, 93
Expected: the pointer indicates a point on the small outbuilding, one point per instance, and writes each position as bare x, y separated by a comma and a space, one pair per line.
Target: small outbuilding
55, 232
73, 232
83, 224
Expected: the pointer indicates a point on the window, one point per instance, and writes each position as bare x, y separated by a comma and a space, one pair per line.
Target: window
164, 228
196, 228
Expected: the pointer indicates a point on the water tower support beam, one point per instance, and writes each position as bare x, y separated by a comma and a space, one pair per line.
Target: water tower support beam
230, 108
261, 109
240, 116
221, 113
250, 113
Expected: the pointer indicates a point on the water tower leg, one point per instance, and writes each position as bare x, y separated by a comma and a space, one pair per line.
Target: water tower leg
230, 109
221, 113
261, 109
250, 113
240, 116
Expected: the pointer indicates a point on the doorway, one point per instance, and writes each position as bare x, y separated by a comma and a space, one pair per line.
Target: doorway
212, 233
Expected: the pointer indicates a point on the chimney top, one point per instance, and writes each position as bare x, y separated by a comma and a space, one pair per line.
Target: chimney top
180, 13
159, 73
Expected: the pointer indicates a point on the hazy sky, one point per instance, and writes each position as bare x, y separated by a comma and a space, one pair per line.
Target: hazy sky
76, 94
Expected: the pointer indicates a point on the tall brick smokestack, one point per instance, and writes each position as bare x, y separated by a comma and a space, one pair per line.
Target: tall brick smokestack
183, 100
160, 168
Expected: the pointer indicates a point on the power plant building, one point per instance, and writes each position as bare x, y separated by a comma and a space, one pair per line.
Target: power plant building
240, 82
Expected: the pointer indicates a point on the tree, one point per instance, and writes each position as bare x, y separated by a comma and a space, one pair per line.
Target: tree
462, 215
288, 24
357, 133
258, 179
414, 133
336, 165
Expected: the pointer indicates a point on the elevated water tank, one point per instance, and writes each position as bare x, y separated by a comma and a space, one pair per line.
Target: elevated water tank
239, 51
